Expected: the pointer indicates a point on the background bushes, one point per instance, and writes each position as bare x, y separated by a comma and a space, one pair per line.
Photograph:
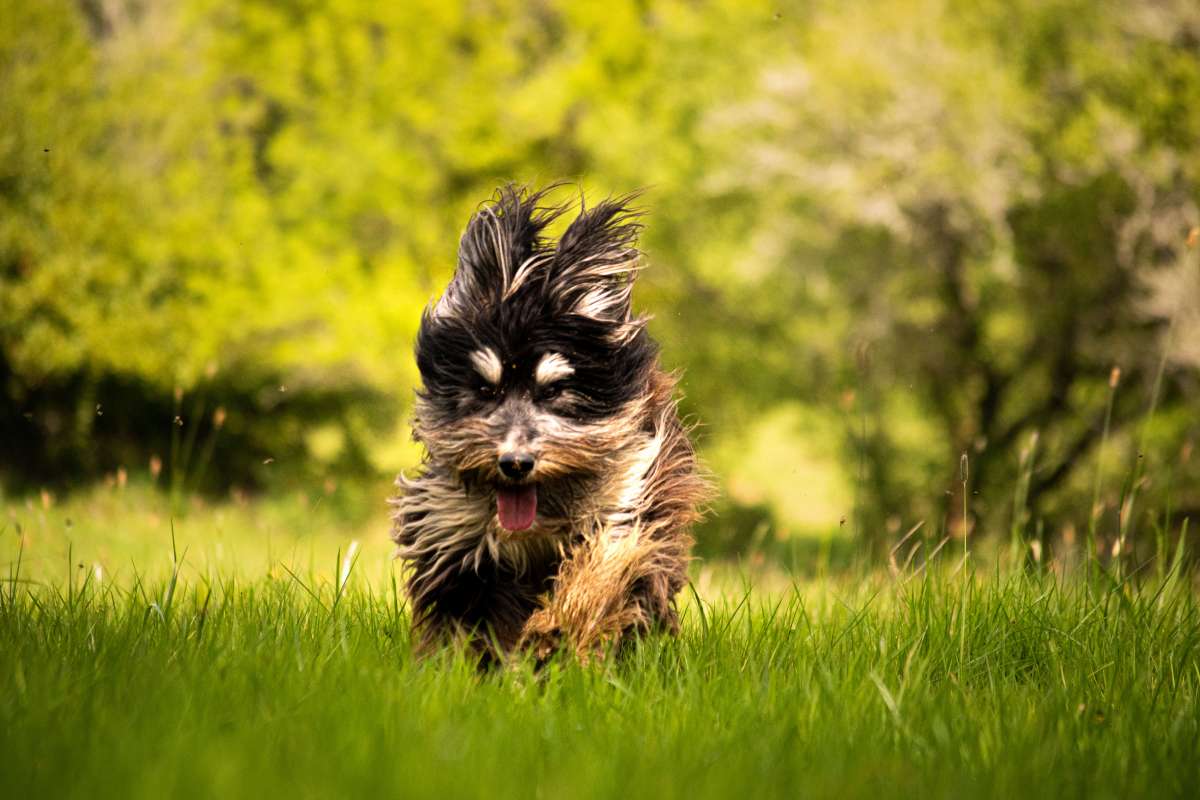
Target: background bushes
882, 235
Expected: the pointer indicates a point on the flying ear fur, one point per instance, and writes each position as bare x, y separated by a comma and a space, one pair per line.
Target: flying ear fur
597, 261
590, 272
501, 246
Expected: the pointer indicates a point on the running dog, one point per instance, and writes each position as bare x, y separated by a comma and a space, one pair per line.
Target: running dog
553, 506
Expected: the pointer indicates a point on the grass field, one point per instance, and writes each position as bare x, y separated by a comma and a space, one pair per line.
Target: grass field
196, 678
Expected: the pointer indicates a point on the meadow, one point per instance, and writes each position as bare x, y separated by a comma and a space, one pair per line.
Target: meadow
284, 669
925, 266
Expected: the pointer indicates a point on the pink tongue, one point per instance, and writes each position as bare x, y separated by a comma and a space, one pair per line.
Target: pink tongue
516, 507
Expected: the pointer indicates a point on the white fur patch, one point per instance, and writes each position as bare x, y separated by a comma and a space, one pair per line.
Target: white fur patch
487, 364
596, 303
551, 368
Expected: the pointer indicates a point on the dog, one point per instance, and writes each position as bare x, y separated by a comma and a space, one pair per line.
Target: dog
553, 505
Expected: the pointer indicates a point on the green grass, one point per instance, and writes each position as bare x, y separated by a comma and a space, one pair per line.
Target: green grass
262, 686
236, 651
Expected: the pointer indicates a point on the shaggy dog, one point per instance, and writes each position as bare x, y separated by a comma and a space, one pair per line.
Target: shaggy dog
554, 501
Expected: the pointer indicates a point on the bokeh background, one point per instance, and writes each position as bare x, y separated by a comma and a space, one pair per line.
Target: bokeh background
887, 240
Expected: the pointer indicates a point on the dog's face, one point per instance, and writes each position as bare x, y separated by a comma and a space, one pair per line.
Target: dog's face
531, 361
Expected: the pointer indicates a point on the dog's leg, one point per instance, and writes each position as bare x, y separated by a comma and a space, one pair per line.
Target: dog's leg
483, 611
623, 577
621, 580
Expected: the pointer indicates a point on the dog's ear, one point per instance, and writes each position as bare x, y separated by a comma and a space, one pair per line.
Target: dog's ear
597, 261
501, 246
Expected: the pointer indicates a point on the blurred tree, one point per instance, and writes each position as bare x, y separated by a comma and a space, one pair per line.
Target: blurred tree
983, 201
931, 227
135, 266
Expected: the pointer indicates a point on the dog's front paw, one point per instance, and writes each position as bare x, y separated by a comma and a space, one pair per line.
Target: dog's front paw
541, 636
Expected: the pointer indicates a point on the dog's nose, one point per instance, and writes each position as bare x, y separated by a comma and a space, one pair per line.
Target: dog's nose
516, 466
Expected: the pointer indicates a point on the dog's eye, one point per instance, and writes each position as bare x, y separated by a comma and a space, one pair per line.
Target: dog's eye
487, 391
550, 392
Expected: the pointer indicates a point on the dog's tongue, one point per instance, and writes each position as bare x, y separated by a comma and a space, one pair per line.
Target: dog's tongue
516, 506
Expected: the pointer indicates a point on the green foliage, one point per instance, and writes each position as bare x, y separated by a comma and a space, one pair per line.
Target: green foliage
930, 227
985, 217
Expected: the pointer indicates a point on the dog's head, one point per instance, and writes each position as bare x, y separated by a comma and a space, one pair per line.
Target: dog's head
532, 361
